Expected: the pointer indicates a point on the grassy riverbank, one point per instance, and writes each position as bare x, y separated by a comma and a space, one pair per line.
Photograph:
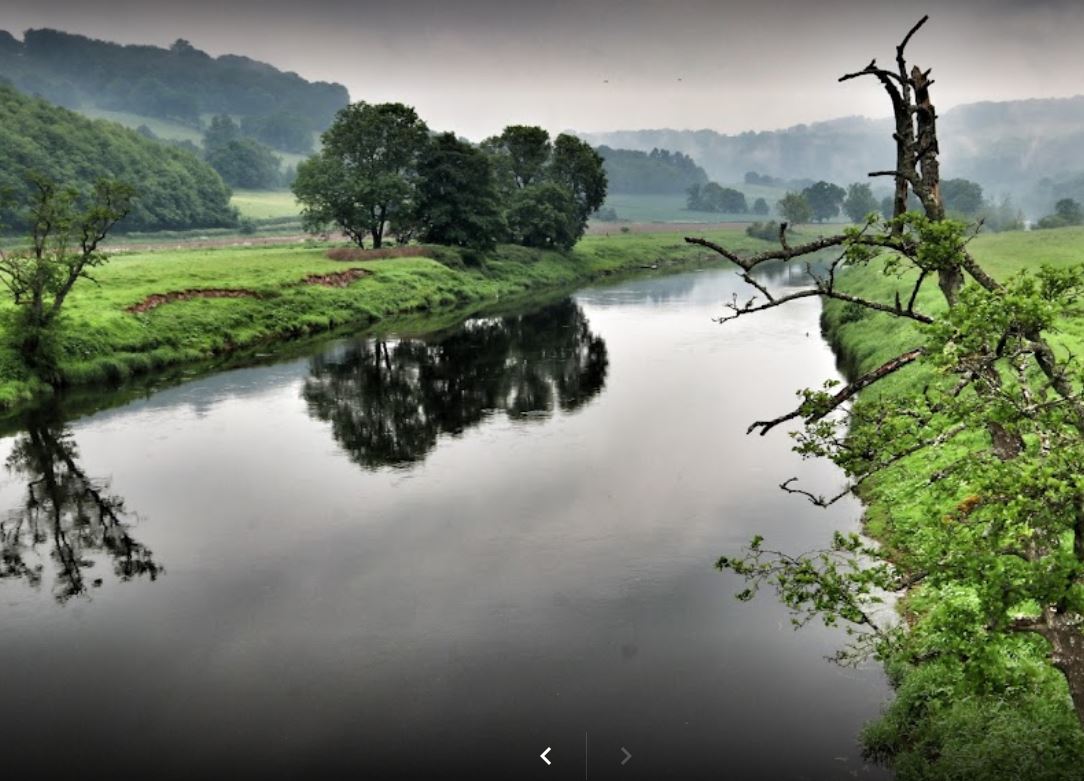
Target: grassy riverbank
264, 295
1017, 721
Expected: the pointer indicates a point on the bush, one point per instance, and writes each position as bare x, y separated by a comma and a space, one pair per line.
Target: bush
769, 231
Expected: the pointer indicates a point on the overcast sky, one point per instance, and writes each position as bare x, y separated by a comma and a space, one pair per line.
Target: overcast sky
474, 66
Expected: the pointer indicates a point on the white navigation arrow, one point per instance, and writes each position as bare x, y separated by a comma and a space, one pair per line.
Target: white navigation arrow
543, 755
628, 756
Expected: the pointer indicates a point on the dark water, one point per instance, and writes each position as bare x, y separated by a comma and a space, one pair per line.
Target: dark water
433, 557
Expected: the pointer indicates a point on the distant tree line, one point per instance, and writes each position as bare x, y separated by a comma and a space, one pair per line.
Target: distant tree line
656, 172
180, 83
1067, 212
823, 201
175, 189
380, 170
765, 180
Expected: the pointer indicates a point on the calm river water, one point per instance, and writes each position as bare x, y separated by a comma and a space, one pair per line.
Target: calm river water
425, 557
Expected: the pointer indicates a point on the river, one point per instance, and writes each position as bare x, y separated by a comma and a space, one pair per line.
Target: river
436, 555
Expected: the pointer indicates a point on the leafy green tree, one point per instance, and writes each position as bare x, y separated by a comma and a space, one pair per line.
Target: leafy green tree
962, 196
795, 208
1066, 212
1069, 211
521, 154
366, 171
457, 200
66, 228
713, 197
860, 202
579, 169
564, 180
824, 199
246, 164
760, 207
543, 215
222, 131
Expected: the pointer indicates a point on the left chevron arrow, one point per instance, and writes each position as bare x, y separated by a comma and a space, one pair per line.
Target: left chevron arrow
543, 755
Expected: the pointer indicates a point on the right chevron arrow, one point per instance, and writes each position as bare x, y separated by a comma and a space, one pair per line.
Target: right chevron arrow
628, 756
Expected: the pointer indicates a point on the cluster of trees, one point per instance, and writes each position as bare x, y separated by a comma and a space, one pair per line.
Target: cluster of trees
1066, 212
656, 172
713, 197
766, 180
819, 201
381, 169
242, 162
176, 189
962, 198
180, 83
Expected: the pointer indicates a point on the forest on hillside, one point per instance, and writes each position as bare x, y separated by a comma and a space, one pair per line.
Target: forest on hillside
181, 84
175, 188
656, 172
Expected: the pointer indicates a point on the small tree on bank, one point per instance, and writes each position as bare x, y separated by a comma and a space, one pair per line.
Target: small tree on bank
66, 229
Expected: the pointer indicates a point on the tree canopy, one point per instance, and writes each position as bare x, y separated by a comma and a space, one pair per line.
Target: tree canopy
795, 208
824, 199
859, 202
366, 173
713, 197
457, 197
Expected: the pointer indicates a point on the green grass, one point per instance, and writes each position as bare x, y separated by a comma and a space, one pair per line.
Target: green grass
163, 128
990, 736
663, 208
99, 340
671, 208
265, 204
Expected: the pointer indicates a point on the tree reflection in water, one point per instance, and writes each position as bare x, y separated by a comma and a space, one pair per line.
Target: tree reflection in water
388, 402
67, 512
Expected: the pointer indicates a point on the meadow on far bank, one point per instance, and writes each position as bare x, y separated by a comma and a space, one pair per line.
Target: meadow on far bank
155, 309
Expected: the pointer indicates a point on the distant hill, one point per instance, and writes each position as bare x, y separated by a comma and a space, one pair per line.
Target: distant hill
656, 172
1008, 147
175, 188
180, 84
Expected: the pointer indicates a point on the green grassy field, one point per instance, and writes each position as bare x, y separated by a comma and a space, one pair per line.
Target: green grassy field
664, 208
98, 339
265, 204
163, 128
176, 131
671, 208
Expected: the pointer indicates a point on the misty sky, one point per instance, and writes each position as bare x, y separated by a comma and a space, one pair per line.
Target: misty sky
474, 66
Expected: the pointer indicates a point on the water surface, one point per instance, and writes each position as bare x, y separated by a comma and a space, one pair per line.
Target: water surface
411, 557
